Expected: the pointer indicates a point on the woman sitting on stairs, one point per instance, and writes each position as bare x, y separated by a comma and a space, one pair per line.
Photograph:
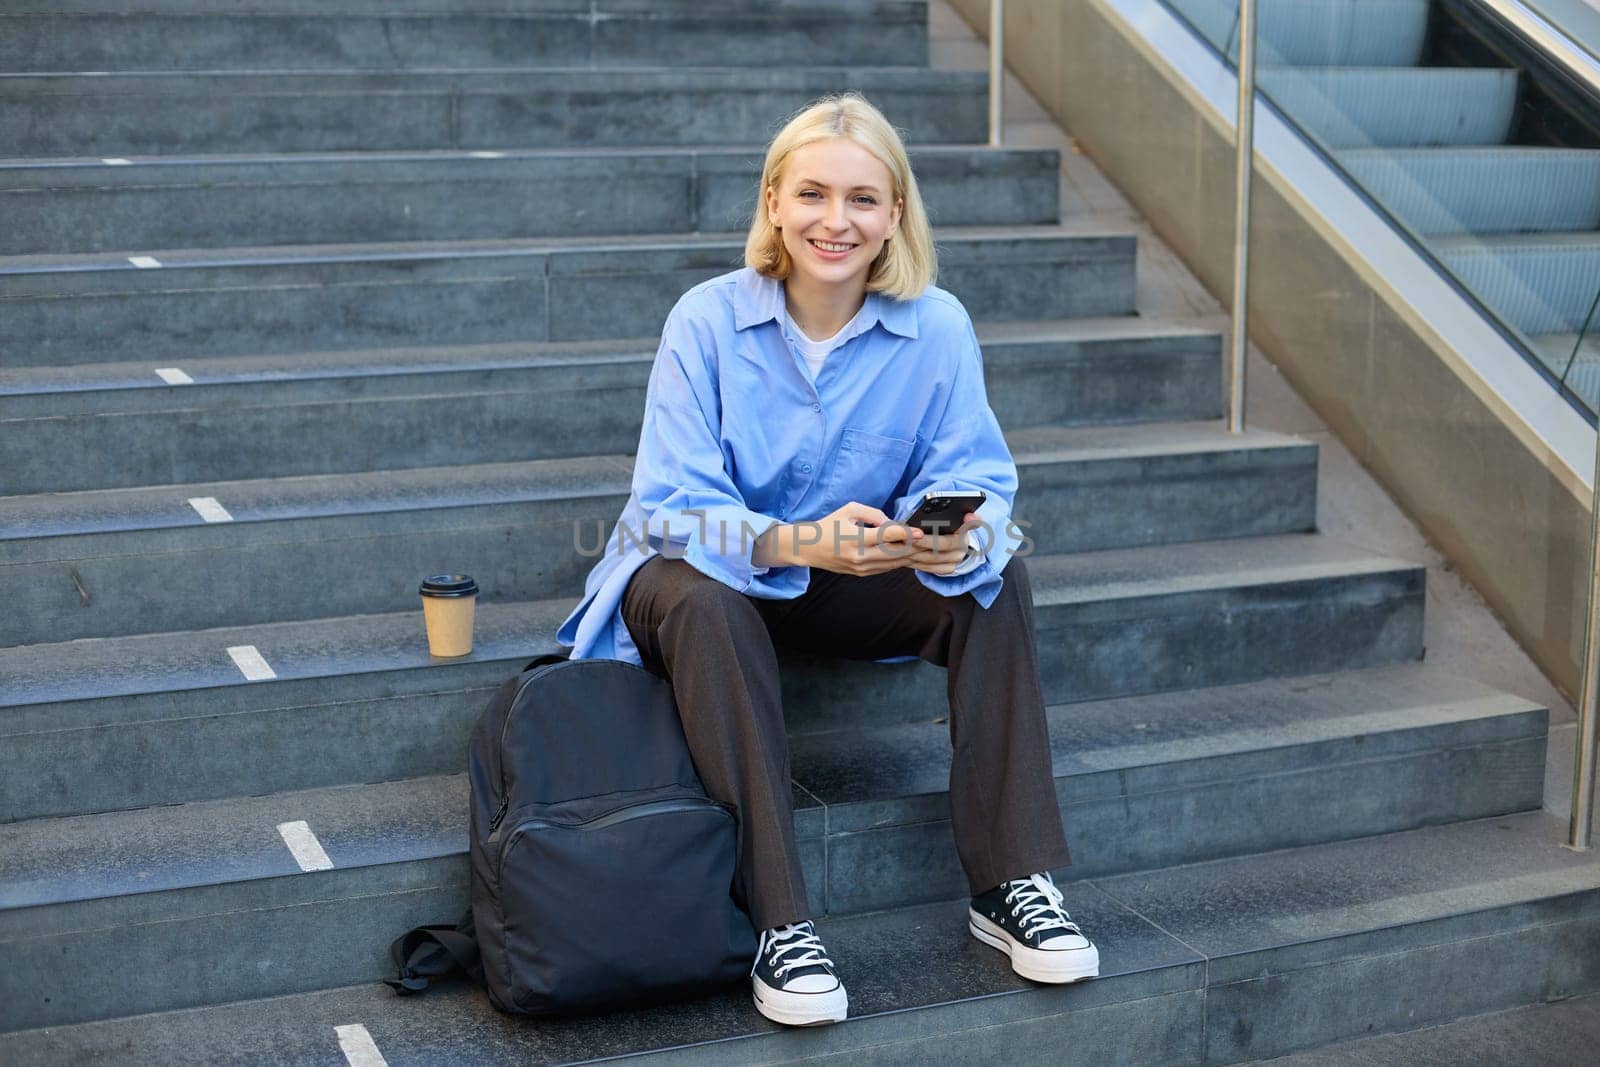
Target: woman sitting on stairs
798, 411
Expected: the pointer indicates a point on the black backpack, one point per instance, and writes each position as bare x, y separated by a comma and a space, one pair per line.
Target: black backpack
602, 874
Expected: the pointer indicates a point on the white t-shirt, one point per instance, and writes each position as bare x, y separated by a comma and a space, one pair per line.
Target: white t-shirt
816, 352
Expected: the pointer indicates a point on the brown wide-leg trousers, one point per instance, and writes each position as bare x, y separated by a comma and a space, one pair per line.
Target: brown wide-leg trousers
717, 647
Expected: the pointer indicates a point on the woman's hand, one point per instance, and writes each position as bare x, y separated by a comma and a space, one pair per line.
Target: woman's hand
860, 539
943, 553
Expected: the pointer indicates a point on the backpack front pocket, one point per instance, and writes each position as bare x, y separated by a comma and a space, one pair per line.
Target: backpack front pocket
637, 898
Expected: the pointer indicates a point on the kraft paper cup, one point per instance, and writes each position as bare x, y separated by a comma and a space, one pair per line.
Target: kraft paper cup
447, 602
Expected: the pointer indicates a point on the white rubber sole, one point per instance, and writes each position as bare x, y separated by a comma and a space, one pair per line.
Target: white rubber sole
1041, 965
800, 1009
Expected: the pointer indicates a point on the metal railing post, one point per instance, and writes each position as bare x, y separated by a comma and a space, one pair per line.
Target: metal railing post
1583, 764
1245, 142
997, 69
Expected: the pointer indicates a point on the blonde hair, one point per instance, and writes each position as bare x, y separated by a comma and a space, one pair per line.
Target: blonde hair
907, 264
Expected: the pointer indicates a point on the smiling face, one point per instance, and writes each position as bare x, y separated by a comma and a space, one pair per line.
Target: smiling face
834, 207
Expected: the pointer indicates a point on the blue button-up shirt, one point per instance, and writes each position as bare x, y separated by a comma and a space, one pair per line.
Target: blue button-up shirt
737, 438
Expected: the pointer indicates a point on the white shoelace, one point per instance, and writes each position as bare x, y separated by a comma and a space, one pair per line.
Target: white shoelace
1040, 904
795, 937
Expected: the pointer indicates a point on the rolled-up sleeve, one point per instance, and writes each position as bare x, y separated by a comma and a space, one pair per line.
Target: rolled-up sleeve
693, 508
966, 450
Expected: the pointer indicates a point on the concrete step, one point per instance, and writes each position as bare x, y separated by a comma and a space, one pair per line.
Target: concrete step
532, 529
1459, 191
167, 35
1564, 1031
254, 301
1361, 107
218, 202
106, 723
1151, 781
1324, 33
100, 426
1216, 962
1538, 283
160, 114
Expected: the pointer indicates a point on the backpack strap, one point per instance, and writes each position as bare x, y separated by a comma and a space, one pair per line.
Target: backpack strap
432, 952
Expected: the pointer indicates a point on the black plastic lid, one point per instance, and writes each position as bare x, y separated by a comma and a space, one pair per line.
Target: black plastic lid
449, 585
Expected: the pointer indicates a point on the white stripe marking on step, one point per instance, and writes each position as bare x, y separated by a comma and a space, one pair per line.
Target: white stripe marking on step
307, 849
173, 376
144, 261
487, 155
251, 663
358, 1046
117, 162
210, 509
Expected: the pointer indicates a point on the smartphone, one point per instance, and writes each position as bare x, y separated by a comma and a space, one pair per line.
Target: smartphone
943, 513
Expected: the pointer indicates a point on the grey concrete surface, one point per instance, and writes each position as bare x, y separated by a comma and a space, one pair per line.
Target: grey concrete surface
915, 958
204, 303
348, 34
108, 426
219, 202
1263, 935
1114, 622
123, 114
149, 562
1562, 1033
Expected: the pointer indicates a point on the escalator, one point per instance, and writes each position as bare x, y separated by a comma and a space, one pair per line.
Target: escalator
1476, 142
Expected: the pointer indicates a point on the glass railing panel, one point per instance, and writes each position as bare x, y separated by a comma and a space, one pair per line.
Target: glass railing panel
1582, 372
1483, 154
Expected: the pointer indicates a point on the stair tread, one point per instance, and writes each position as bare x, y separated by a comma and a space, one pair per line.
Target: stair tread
1175, 929
139, 169
892, 961
278, 255
272, 9
866, 779
409, 489
302, 82
1473, 153
446, 359
1109, 744
1500, 244
1288, 72
98, 667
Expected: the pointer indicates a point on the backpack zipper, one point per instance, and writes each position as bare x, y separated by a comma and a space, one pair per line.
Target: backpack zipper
626, 813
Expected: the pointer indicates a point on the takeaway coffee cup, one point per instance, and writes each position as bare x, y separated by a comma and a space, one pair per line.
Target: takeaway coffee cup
447, 601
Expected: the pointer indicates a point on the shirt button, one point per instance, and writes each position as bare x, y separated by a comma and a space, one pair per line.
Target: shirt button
816, 407
806, 468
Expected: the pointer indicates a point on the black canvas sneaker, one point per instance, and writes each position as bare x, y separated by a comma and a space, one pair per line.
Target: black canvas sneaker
1024, 919
793, 980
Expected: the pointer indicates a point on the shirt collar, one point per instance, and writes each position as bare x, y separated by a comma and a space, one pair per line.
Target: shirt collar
758, 299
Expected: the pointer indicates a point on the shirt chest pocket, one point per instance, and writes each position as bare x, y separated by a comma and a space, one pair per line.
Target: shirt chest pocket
866, 468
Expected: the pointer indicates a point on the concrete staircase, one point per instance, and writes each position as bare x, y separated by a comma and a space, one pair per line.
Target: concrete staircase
314, 321
1452, 139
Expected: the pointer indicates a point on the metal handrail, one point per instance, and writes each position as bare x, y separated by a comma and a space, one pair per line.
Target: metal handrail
1584, 758
997, 69
1244, 165
1549, 39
